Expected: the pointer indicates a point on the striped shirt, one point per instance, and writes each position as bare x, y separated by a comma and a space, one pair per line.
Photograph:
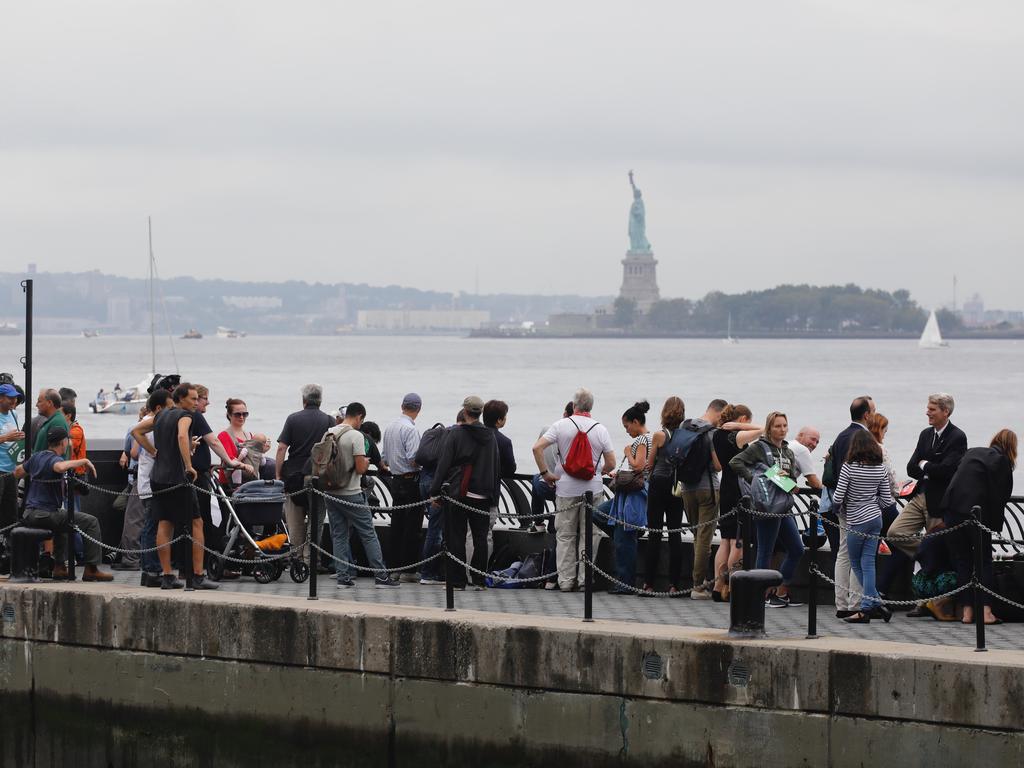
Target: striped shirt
864, 489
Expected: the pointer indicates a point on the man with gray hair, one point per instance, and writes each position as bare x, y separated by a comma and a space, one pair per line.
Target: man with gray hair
302, 430
572, 485
400, 442
939, 450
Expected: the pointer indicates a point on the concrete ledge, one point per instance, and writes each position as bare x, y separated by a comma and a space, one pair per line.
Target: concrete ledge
832, 677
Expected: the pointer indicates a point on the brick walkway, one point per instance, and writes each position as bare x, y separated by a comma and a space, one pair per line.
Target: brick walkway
781, 623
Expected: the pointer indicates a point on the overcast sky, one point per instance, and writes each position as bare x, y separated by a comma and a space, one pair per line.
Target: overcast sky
386, 142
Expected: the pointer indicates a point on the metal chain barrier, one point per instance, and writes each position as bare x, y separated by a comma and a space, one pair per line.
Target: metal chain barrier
119, 550
895, 538
636, 590
683, 529
366, 569
907, 603
999, 597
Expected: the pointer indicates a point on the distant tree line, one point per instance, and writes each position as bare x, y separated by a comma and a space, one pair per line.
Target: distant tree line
787, 308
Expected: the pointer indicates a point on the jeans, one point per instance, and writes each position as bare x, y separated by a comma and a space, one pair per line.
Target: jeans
624, 541
147, 539
354, 514
541, 492
862, 558
783, 530
134, 519
434, 537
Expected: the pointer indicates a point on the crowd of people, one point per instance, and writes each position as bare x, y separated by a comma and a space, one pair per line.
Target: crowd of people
684, 474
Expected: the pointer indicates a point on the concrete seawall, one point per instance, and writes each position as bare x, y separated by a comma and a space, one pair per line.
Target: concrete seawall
96, 675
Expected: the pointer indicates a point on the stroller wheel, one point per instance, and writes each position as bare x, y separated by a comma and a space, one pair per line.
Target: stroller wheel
299, 571
278, 569
215, 568
263, 572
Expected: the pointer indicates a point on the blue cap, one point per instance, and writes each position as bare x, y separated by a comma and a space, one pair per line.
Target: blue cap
8, 390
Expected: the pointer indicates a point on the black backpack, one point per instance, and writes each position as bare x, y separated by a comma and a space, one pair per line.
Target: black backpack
429, 452
697, 461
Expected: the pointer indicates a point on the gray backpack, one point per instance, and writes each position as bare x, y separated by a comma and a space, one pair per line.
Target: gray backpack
766, 495
329, 462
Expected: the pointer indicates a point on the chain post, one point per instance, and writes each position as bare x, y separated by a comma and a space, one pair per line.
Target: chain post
69, 502
313, 485
812, 575
449, 566
588, 546
979, 564
748, 534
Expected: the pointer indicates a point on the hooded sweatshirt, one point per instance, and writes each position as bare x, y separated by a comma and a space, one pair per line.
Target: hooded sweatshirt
471, 445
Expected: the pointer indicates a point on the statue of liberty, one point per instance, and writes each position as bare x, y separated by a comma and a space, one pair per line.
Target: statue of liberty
638, 242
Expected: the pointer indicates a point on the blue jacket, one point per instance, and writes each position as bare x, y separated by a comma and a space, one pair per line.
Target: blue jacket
629, 508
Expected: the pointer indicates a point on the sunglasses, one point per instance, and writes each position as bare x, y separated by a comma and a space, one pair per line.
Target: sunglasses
241, 413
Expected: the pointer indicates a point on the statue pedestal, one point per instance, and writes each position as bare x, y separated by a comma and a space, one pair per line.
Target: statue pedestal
640, 279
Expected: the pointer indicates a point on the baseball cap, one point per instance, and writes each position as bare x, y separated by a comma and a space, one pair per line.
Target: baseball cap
8, 390
473, 404
55, 434
412, 401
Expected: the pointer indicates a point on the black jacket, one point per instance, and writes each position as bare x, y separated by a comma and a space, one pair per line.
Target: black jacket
506, 455
473, 445
942, 462
837, 455
985, 479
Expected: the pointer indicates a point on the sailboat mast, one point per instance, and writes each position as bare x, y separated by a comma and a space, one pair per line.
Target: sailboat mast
152, 308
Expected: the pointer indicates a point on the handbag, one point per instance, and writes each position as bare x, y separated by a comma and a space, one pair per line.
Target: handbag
628, 480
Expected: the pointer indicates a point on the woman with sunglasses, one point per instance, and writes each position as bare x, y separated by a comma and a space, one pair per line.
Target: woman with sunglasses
234, 438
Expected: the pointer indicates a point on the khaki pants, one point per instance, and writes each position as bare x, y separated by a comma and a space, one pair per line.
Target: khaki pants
295, 519
700, 507
570, 539
910, 522
845, 578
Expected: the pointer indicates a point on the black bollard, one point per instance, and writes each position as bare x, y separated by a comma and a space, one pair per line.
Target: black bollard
24, 544
588, 546
313, 536
746, 601
449, 566
747, 521
812, 576
979, 564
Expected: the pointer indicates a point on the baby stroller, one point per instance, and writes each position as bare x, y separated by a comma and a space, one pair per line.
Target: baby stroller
258, 504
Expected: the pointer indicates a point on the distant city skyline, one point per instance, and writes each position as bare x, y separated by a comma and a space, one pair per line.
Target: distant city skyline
474, 144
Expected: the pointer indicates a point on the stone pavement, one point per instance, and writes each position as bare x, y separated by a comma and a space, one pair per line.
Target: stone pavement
781, 623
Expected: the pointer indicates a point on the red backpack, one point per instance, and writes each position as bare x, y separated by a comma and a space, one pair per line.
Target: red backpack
579, 462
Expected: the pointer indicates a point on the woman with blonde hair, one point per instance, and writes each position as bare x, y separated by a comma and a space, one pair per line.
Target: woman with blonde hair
770, 449
984, 479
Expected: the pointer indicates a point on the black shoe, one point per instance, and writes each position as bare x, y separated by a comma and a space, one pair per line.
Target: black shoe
881, 612
918, 612
844, 614
167, 581
777, 601
858, 618
150, 579
199, 581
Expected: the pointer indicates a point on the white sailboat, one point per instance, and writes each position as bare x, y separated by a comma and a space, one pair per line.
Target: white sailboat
729, 337
129, 401
931, 337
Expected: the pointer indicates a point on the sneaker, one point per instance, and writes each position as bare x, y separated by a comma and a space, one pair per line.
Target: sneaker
700, 593
479, 587
550, 585
345, 584
409, 578
775, 601
431, 581
385, 582
168, 581
199, 581
149, 579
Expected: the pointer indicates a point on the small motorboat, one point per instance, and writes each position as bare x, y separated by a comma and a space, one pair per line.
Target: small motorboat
121, 401
192, 333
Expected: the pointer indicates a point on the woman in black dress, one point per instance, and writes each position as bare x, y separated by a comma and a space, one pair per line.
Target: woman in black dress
983, 479
734, 433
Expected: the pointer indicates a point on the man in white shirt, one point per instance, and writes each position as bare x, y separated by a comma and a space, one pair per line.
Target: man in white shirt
807, 440
571, 512
400, 442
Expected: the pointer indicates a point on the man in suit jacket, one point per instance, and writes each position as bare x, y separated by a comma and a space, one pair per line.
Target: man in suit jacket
939, 450
846, 604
